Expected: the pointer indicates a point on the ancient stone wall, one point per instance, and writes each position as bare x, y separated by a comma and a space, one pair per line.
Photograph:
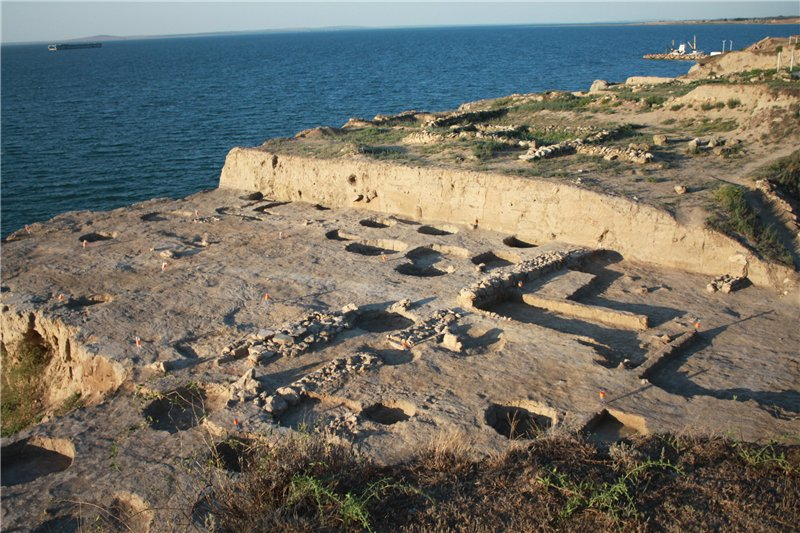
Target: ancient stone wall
537, 210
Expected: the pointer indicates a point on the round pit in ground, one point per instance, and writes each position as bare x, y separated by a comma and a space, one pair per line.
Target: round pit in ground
34, 457
411, 269
383, 321
97, 236
177, 410
517, 422
514, 242
377, 223
389, 413
439, 231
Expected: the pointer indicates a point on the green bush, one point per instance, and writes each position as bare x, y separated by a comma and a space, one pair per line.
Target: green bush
785, 173
736, 218
734, 102
484, 150
22, 385
655, 100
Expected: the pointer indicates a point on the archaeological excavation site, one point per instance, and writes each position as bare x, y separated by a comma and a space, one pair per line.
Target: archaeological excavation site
610, 274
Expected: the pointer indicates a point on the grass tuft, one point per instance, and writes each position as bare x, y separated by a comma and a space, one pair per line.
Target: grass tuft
22, 384
735, 217
785, 173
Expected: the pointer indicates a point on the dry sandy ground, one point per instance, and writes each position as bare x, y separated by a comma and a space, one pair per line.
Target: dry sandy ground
189, 277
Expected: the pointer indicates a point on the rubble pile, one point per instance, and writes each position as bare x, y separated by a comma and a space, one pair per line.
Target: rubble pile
291, 340
726, 283
435, 326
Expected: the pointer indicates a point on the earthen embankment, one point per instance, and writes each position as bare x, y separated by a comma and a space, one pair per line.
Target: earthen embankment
537, 210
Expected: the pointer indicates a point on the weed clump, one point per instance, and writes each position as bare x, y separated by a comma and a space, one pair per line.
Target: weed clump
785, 173
22, 382
735, 217
556, 482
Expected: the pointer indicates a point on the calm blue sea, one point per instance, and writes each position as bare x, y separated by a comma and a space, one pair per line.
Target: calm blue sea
103, 128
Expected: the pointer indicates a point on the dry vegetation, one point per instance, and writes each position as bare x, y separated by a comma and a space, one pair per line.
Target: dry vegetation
553, 483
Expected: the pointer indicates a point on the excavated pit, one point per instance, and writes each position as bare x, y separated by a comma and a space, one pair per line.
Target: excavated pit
34, 457
127, 512
611, 426
153, 217
392, 357
420, 271
230, 454
266, 207
514, 242
495, 259
88, 301
376, 247
377, 223
389, 413
437, 231
382, 321
97, 237
177, 410
517, 422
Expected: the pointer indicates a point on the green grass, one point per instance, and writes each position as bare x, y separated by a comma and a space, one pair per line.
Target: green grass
615, 498
764, 456
735, 217
485, 150
559, 102
373, 135
708, 106
22, 385
715, 125
785, 173
561, 482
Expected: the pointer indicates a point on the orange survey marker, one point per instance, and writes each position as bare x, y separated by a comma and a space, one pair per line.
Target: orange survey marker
60, 297
520, 284
384, 258
602, 394
85, 244
138, 342
697, 326
27, 228
266, 296
163, 266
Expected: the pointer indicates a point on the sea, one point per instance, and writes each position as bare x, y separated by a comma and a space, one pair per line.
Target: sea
107, 127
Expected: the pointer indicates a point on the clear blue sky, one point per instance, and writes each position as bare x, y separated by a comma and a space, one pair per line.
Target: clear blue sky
51, 21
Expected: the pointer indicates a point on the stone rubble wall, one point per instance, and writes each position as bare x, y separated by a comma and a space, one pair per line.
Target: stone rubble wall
498, 285
249, 389
432, 327
536, 210
610, 153
293, 339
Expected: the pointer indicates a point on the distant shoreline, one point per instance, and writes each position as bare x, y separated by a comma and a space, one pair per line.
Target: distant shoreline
110, 38
767, 20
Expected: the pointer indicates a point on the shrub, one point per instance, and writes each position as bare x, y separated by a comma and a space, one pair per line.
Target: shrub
736, 218
785, 173
734, 102
22, 384
655, 100
484, 150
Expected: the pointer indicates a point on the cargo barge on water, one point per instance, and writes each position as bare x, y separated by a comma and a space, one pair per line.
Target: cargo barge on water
72, 46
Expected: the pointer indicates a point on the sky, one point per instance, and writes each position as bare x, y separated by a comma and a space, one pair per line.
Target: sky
29, 21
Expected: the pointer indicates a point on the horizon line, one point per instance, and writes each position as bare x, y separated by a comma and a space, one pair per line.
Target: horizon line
323, 29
